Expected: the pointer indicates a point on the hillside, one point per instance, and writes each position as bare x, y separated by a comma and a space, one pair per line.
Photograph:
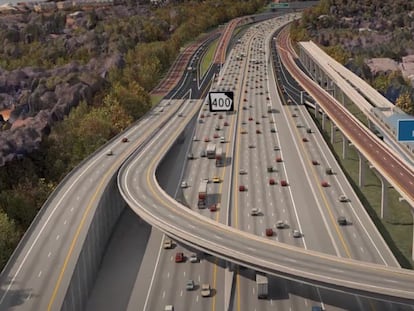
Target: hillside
356, 31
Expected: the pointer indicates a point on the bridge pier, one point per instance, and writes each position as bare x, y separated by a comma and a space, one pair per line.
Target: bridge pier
316, 110
332, 132
344, 146
323, 119
362, 170
384, 194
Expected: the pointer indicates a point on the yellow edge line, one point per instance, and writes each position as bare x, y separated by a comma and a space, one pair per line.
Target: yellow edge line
89, 207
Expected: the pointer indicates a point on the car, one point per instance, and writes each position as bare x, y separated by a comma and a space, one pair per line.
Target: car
309, 130
179, 257
222, 140
202, 153
276, 148
200, 121
202, 116
242, 171
243, 122
283, 183
218, 128
109, 152
180, 114
296, 233
195, 138
205, 290
242, 188
305, 140
226, 123
169, 308
184, 184
272, 122
206, 139
193, 258
243, 131
213, 207
272, 130
269, 232
280, 224
294, 115
258, 131
168, 244
257, 122
270, 169
329, 171
189, 285
279, 159
314, 162
255, 212
343, 198
272, 181
250, 118
216, 179
244, 108
190, 156
251, 146
342, 221
317, 308
324, 183
125, 140
215, 135
220, 116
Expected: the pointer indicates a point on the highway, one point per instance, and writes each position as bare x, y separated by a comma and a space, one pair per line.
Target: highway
176, 221
38, 276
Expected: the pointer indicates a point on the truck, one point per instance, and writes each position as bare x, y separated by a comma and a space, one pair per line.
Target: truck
262, 286
220, 156
202, 194
269, 107
211, 150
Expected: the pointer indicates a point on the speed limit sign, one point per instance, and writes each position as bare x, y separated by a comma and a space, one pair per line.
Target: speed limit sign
221, 101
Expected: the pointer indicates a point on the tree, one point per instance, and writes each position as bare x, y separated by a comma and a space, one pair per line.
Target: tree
405, 103
9, 236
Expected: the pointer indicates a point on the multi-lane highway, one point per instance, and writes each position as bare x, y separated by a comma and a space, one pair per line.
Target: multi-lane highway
253, 139
179, 222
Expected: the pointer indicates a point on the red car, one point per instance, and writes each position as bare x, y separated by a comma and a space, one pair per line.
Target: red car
242, 188
314, 162
226, 123
271, 181
179, 257
283, 183
304, 139
278, 159
125, 140
213, 208
250, 118
324, 183
216, 135
206, 139
269, 232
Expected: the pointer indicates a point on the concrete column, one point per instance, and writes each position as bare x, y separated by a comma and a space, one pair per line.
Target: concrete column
332, 132
384, 198
362, 170
384, 194
323, 119
344, 146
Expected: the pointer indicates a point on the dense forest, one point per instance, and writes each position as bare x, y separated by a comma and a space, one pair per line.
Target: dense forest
353, 31
149, 45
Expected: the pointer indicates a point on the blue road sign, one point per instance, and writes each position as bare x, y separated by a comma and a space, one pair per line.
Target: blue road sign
406, 130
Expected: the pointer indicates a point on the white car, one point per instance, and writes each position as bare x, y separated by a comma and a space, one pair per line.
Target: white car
255, 211
193, 258
205, 290
109, 152
296, 234
343, 198
242, 171
184, 184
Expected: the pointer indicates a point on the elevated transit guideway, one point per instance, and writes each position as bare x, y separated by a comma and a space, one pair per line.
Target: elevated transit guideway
140, 189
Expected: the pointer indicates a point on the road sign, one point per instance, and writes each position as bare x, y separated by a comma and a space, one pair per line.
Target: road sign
280, 5
221, 101
406, 130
